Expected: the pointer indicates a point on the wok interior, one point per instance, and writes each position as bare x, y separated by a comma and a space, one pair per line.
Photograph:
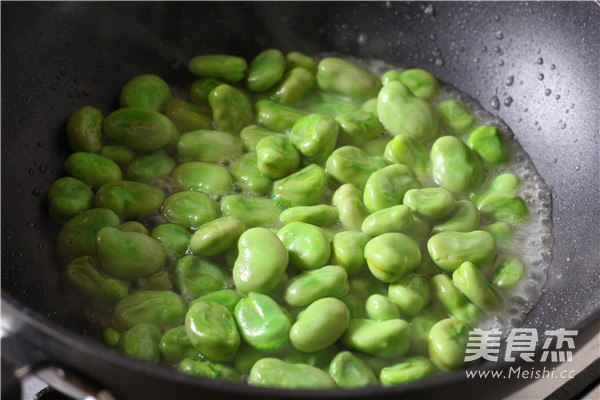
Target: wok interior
59, 57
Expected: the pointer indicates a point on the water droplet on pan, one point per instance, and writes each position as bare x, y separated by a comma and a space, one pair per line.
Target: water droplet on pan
510, 80
495, 103
540, 61
540, 77
508, 101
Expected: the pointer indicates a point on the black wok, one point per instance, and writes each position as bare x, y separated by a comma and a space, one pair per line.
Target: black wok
57, 57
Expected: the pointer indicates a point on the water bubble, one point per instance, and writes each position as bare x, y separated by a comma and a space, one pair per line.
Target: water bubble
439, 62
510, 80
476, 60
31, 171
436, 52
495, 103
540, 77
552, 66
432, 36
31, 224
572, 105
40, 246
42, 168
499, 35
577, 168
497, 18
35, 192
429, 10
563, 126
40, 144
501, 63
557, 97
508, 101
498, 50
540, 61
484, 50
555, 160
547, 92
362, 39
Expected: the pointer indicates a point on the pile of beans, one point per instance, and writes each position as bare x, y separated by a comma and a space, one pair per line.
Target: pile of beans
291, 223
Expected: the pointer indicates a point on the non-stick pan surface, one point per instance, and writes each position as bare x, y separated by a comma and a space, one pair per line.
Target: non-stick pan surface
535, 65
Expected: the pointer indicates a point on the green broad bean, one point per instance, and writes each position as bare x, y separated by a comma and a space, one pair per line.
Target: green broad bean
175, 345
92, 169
402, 113
249, 178
504, 183
454, 166
307, 245
488, 143
472, 283
186, 116
508, 273
252, 134
392, 255
195, 277
201, 88
410, 370
129, 199
502, 206
390, 76
315, 215
211, 329
84, 275
128, 254
119, 154
276, 116
319, 325
449, 250
145, 91
262, 323
208, 145
227, 298
297, 59
84, 130
350, 164
381, 308
464, 218
139, 128
329, 104
294, 86
385, 339
362, 285
78, 236
420, 327
69, 197
133, 226
386, 188
271, 372
420, 231
375, 147
405, 150
392, 219
370, 106
348, 250
172, 237
309, 286
217, 236
261, 262
276, 157
358, 127
454, 302
411, 294
111, 336
430, 203
348, 371
161, 308
455, 117
203, 177
220, 66
231, 109
302, 188
351, 210
141, 342
189, 209
208, 369
320, 359
265, 70
420, 82
354, 305
315, 135
157, 281
252, 211
150, 168
346, 78
501, 231
447, 345
246, 357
